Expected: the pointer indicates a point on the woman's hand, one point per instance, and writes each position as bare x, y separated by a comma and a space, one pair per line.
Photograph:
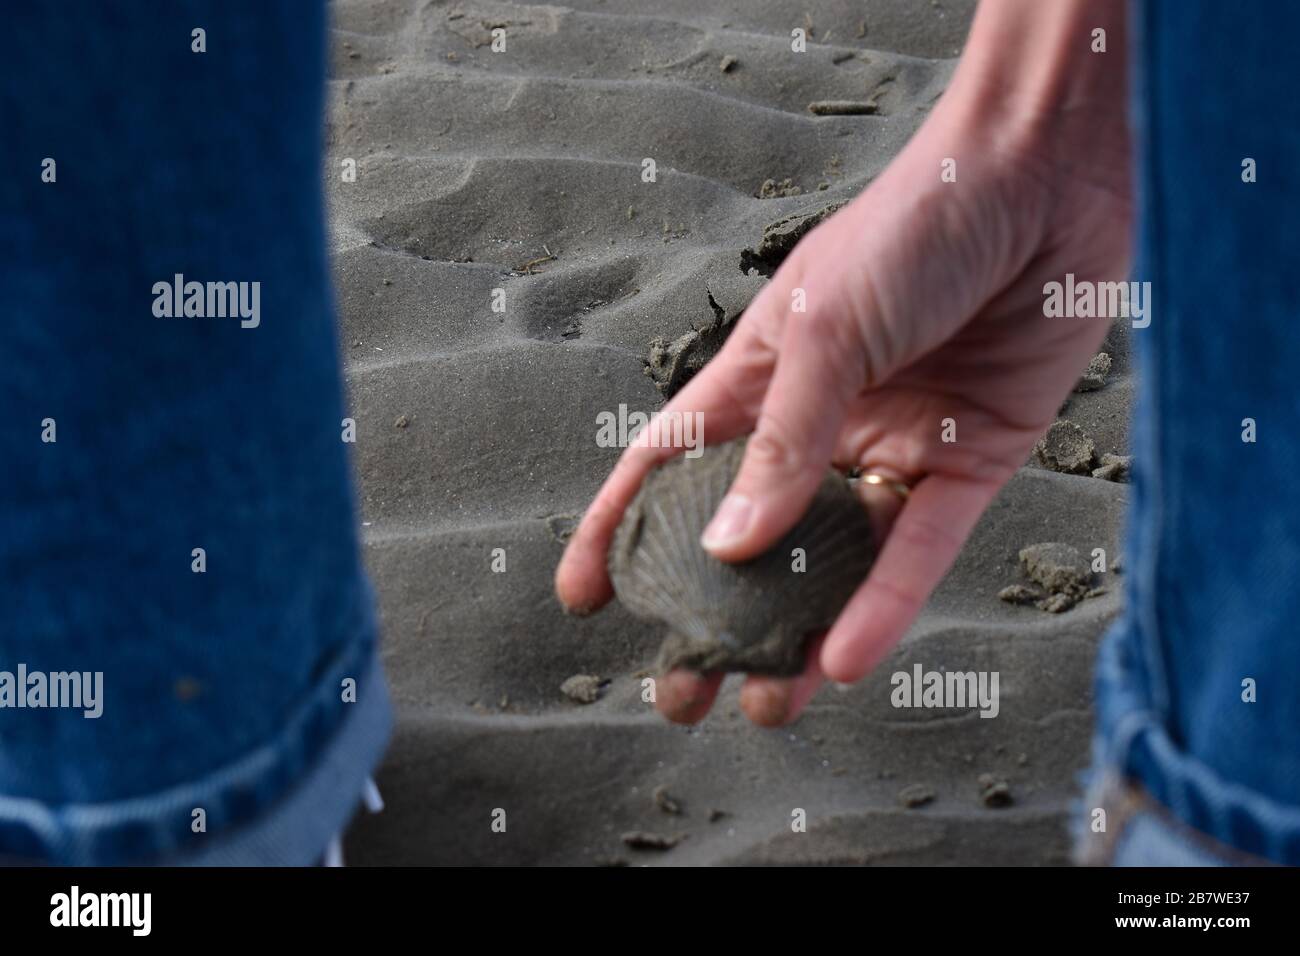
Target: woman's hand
924, 313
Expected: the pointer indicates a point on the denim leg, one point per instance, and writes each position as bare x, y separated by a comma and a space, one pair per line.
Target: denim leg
1197, 698
226, 671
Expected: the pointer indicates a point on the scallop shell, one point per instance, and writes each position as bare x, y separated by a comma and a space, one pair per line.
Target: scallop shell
754, 616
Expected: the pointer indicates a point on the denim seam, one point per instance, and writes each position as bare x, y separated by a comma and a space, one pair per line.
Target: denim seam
1149, 572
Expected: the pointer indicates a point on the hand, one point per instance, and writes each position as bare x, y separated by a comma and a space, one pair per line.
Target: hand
924, 302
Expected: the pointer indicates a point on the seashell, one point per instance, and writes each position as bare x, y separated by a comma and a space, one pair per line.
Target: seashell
754, 616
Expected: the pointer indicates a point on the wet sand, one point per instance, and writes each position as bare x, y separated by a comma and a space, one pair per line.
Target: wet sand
521, 171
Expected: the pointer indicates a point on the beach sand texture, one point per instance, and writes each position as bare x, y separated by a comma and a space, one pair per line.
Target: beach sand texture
476, 430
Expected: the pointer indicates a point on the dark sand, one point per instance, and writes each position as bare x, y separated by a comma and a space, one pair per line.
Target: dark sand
474, 170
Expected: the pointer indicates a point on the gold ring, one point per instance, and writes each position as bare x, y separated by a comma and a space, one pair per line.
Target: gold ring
897, 487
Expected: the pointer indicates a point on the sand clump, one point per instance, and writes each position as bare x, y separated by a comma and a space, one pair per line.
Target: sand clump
670, 365
1057, 568
1114, 468
1020, 594
779, 189
1060, 578
1094, 376
781, 236
1067, 449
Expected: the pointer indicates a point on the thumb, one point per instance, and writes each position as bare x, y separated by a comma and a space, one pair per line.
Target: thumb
820, 368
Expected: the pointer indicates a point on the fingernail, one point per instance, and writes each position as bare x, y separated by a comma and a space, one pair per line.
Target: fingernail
729, 522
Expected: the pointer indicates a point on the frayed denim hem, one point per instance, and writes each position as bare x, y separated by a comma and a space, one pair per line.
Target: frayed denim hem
291, 829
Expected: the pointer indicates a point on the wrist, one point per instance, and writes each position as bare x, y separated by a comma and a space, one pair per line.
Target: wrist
1038, 78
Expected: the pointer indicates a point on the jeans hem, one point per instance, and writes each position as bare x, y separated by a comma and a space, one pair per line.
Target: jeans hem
1136, 830
297, 831
242, 797
1133, 744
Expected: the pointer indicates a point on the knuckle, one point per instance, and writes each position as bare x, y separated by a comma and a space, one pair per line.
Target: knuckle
895, 591
772, 447
637, 458
817, 320
928, 536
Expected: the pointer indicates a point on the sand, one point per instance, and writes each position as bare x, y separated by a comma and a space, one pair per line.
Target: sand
522, 171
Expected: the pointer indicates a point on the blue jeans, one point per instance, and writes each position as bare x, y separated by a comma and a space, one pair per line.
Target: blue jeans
176, 512
1197, 688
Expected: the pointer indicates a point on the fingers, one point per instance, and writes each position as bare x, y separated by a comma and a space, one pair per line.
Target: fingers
922, 538
724, 393
684, 697
819, 371
923, 543
775, 701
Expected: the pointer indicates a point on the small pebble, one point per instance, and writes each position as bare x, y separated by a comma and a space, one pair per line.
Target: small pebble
842, 108
994, 791
584, 688
644, 840
665, 801
915, 795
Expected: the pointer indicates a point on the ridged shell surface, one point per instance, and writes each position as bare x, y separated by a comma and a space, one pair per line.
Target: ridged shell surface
754, 616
